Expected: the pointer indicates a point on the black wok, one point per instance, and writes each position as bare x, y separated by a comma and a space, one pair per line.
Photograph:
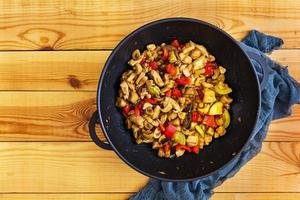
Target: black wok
240, 76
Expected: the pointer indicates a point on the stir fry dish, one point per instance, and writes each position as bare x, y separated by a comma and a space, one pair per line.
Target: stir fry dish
174, 96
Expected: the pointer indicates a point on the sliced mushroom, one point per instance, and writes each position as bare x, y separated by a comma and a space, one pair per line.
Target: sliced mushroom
133, 62
156, 133
147, 105
138, 120
175, 105
140, 77
196, 53
136, 54
133, 97
199, 63
156, 112
151, 47
120, 103
172, 116
125, 89
142, 82
167, 107
147, 125
157, 78
163, 118
202, 49
186, 72
138, 68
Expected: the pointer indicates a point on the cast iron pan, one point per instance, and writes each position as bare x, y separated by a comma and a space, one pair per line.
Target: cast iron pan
240, 76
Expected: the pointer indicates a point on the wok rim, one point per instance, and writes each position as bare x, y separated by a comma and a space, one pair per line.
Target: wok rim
116, 49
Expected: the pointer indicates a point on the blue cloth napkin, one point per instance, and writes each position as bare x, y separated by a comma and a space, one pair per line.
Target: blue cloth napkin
279, 92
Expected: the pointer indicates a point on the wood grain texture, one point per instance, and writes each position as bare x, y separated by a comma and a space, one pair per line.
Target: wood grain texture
64, 116
78, 70
60, 116
256, 196
65, 196
109, 196
41, 25
83, 167
42, 70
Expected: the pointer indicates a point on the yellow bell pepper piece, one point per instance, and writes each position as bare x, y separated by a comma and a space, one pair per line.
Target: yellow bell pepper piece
216, 109
226, 118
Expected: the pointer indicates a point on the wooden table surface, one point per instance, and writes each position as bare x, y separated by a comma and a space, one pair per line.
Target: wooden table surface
51, 55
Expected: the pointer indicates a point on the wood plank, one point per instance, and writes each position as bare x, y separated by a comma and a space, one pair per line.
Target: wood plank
256, 196
102, 24
64, 196
58, 116
78, 70
64, 116
51, 70
50, 167
109, 196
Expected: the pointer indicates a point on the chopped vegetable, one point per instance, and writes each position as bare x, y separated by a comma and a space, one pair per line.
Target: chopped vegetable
171, 69
168, 93
176, 93
166, 148
165, 54
216, 109
209, 69
126, 109
209, 96
170, 131
195, 149
175, 43
195, 116
172, 57
153, 65
192, 140
151, 100
153, 89
183, 80
209, 120
137, 111
227, 118
222, 91
179, 138
179, 147
199, 130
162, 128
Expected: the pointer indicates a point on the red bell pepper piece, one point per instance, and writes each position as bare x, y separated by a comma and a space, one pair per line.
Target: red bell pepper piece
195, 116
179, 146
183, 80
176, 93
153, 65
126, 109
195, 149
209, 120
143, 61
170, 131
168, 93
165, 54
151, 100
171, 69
162, 128
166, 148
137, 111
175, 43
209, 69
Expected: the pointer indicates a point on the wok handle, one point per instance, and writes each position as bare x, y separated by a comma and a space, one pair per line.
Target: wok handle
265, 69
92, 124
